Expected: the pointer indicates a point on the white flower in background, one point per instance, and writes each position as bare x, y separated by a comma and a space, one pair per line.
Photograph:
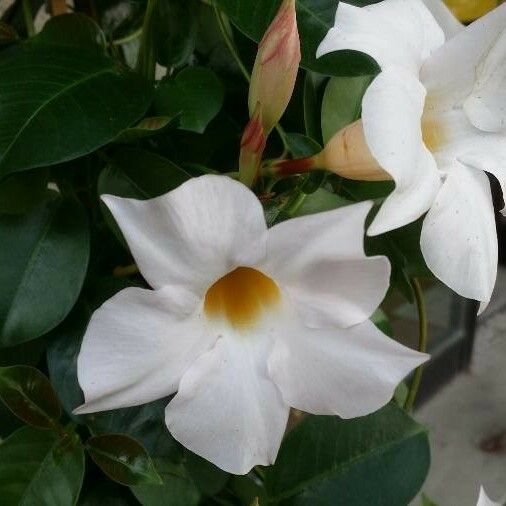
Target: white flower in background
435, 119
242, 321
483, 500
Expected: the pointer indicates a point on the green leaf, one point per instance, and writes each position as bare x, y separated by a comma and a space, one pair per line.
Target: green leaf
23, 191
313, 92
70, 99
174, 31
43, 268
319, 201
29, 395
379, 459
123, 459
208, 478
37, 470
147, 127
380, 319
314, 19
195, 95
342, 103
177, 490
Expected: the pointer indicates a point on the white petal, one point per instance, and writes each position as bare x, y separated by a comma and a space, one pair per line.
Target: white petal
346, 372
444, 17
227, 410
484, 500
136, 348
391, 114
194, 234
486, 106
450, 73
320, 261
393, 32
470, 146
458, 239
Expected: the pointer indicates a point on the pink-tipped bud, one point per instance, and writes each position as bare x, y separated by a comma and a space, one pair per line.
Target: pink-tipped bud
252, 147
346, 154
276, 64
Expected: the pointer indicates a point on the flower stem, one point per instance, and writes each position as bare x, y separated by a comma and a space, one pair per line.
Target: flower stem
225, 32
28, 16
422, 344
146, 59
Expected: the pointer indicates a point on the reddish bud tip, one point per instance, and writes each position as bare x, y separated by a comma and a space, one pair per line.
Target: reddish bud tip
252, 147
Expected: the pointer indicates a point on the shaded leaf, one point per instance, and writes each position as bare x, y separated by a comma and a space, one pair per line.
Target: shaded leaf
29, 395
36, 470
342, 103
45, 264
147, 127
23, 191
195, 95
379, 459
208, 478
313, 92
123, 459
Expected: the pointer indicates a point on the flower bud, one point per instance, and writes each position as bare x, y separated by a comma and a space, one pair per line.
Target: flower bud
346, 154
252, 147
276, 64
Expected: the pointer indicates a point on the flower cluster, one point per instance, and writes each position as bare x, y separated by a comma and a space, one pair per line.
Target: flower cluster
244, 322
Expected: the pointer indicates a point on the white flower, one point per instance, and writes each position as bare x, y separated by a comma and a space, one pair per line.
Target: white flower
435, 119
242, 321
483, 500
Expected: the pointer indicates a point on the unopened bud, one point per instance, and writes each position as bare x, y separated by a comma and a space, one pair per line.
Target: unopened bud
346, 154
276, 65
252, 147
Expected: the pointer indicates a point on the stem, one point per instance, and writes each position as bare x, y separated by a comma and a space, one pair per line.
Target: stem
128, 38
225, 32
28, 15
146, 60
422, 344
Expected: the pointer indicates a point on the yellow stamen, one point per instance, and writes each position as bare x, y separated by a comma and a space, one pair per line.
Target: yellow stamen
240, 296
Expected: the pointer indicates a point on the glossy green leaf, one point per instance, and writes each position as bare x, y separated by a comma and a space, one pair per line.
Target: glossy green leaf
66, 98
314, 19
177, 489
37, 470
319, 201
123, 459
314, 85
147, 127
195, 95
42, 269
29, 395
23, 191
379, 459
342, 103
208, 478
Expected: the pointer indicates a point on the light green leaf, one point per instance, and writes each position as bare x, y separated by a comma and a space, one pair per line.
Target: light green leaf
42, 269
37, 470
195, 95
342, 103
147, 127
379, 459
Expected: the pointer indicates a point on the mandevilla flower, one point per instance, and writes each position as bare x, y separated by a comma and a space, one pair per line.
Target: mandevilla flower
483, 500
243, 322
435, 119
276, 65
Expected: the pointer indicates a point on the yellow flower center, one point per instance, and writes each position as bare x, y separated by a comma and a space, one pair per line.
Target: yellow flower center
433, 133
241, 296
